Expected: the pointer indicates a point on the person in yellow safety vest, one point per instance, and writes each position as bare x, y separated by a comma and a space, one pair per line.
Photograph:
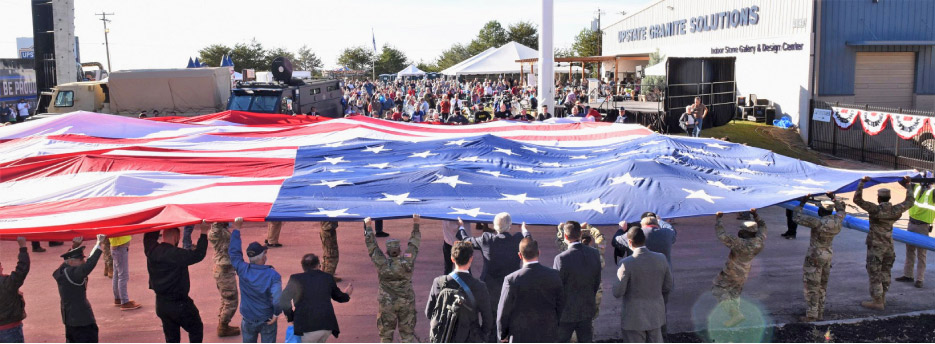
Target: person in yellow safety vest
920, 221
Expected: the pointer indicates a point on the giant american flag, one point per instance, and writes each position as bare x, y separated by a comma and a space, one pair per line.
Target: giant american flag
83, 173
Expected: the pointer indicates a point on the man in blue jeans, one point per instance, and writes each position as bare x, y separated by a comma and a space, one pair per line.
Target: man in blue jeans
700, 111
260, 289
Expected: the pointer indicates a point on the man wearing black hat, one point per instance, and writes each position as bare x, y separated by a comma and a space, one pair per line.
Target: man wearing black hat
168, 278
260, 289
72, 278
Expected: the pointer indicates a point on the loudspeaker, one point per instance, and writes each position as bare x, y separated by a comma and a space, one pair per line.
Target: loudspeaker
281, 69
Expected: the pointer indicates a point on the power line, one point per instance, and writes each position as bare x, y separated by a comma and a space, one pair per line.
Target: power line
106, 41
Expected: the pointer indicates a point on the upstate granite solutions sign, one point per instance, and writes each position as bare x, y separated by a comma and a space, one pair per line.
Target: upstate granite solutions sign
717, 21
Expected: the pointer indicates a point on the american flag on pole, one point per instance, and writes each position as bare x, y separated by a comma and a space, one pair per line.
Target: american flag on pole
374, 37
95, 173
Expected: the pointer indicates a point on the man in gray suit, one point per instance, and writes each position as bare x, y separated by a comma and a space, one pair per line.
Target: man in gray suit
499, 251
645, 283
580, 269
659, 239
531, 300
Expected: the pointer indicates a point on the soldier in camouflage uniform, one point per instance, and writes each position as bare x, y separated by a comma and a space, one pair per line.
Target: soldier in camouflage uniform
329, 246
817, 265
729, 282
108, 259
590, 236
880, 254
226, 278
396, 297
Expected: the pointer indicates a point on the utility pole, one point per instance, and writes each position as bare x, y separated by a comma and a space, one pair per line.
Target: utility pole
106, 31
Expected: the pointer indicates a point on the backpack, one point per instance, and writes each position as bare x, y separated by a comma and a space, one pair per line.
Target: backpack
453, 307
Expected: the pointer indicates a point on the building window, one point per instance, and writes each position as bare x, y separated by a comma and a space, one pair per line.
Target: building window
314, 91
65, 99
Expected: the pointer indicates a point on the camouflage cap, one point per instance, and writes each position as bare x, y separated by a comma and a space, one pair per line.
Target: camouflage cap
883, 192
748, 226
392, 244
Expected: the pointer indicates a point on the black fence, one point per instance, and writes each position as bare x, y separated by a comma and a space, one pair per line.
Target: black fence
886, 148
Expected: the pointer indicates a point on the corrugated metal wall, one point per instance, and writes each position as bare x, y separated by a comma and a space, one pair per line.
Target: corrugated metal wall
863, 20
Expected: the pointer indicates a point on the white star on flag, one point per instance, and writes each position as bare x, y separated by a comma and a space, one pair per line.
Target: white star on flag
688, 155
460, 142
334, 161
809, 181
332, 213
716, 145
388, 173
550, 164
504, 151
701, 194
521, 198
423, 155
669, 158
335, 144
398, 199
722, 185
558, 183
376, 149
628, 153
734, 176
644, 144
626, 178
602, 150
524, 169
333, 183
576, 157
450, 180
587, 170
595, 205
746, 170
338, 170
470, 159
381, 165
469, 212
492, 173
698, 150
757, 162
531, 149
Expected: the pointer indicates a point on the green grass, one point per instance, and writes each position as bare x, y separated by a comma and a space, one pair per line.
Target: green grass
758, 135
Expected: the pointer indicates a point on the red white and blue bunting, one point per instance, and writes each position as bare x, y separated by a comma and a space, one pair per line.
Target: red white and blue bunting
873, 122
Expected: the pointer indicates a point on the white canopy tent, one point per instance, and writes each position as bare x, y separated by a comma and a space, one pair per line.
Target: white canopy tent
658, 69
412, 70
502, 60
453, 69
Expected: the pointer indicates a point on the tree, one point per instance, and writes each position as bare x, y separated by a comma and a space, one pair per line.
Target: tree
563, 52
587, 43
306, 59
250, 56
654, 81
212, 54
491, 35
391, 60
356, 58
524, 33
277, 52
452, 56
428, 67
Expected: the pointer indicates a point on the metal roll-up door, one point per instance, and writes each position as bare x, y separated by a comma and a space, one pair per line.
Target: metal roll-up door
885, 79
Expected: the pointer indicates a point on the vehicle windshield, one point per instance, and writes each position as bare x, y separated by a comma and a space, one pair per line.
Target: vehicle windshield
254, 103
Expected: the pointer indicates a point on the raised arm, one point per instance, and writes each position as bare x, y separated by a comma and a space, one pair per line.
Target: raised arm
376, 255
235, 250
725, 238
414, 239
150, 240
760, 225
18, 276
804, 220
81, 271
859, 198
909, 201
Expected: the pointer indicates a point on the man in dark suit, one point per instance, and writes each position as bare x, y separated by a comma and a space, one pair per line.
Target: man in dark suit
311, 293
580, 269
477, 329
644, 285
531, 303
500, 252
169, 279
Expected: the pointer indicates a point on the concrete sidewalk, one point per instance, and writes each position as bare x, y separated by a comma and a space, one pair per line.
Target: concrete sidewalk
774, 287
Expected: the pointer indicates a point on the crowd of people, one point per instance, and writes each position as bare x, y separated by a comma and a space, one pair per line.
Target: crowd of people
449, 101
14, 113
515, 298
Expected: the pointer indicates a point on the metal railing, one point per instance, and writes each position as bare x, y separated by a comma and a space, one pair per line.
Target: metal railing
886, 148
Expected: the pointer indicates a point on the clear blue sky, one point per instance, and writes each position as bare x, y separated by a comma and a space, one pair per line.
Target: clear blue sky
163, 34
